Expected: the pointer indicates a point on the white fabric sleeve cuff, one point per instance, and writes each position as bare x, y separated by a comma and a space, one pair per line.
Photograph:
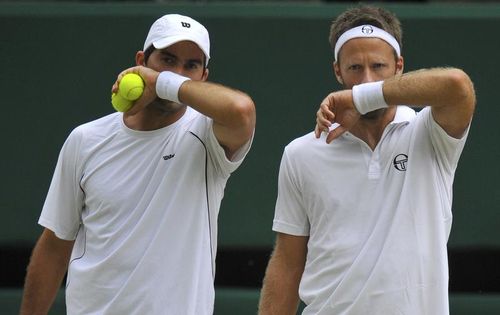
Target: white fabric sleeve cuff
368, 97
168, 85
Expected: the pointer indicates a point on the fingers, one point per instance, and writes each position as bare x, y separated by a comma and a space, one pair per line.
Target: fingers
324, 109
335, 133
317, 131
336, 108
114, 88
149, 77
324, 117
137, 70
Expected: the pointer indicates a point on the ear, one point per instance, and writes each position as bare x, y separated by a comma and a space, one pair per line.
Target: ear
204, 77
400, 65
139, 58
336, 71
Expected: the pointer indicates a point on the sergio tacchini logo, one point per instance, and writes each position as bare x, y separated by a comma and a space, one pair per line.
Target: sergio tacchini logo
400, 162
367, 29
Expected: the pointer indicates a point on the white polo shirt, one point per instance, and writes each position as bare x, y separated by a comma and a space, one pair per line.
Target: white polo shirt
378, 221
143, 208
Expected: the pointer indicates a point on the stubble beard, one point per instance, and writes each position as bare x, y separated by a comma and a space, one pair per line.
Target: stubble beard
166, 107
373, 115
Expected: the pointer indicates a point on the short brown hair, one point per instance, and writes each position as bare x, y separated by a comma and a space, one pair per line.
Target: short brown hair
362, 15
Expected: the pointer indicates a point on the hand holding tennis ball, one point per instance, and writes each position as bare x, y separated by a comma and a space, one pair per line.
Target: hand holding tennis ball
130, 89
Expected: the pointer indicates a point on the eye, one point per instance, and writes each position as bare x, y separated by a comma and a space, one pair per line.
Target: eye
355, 67
192, 65
378, 65
169, 61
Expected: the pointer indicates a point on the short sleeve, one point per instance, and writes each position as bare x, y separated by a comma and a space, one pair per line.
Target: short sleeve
448, 149
290, 214
226, 165
61, 211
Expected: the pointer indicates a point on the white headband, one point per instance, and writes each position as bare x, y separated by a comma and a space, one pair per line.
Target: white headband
366, 31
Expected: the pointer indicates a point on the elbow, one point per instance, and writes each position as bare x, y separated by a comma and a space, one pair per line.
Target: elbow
244, 113
464, 87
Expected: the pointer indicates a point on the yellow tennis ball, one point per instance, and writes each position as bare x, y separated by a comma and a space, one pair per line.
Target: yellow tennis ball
131, 87
119, 103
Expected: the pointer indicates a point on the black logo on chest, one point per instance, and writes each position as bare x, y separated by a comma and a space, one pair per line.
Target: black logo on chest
168, 157
400, 162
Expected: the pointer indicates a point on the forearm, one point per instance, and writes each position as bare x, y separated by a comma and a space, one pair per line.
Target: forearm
448, 91
40, 290
224, 105
430, 87
45, 274
279, 294
227, 107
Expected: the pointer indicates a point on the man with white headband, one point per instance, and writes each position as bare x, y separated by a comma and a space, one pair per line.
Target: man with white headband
133, 204
363, 212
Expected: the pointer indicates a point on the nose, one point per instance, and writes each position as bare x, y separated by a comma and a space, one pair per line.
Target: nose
368, 76
179, 69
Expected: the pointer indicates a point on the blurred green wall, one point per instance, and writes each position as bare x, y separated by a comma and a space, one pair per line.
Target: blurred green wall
58, 62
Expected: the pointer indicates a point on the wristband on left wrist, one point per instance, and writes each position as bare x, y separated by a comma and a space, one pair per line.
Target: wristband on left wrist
168, 85
368, 97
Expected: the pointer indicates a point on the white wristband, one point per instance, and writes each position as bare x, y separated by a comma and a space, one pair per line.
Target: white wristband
168, 85
368, 97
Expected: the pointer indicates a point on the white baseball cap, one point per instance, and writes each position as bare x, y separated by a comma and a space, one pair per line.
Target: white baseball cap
173, 28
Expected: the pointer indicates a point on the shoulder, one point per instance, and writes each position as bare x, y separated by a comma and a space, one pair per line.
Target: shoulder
302, 142
97, 129
305, 148
104, 126
105, 123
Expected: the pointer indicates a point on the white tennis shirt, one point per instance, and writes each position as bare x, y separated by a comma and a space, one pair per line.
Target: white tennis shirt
378, 221
143, 208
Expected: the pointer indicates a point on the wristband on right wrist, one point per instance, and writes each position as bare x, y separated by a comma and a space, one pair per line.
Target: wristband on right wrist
168, 85
368, 97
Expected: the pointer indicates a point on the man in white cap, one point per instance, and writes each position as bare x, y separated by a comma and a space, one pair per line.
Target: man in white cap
132, 209
363, 213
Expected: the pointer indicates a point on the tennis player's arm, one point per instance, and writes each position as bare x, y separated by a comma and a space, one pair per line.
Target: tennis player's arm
280, 292
449, 92
232, 111
46, 270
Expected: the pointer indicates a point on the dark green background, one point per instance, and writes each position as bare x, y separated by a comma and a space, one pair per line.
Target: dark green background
58, 62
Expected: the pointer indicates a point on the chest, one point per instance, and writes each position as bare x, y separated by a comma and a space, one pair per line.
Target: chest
122, 174
347, 184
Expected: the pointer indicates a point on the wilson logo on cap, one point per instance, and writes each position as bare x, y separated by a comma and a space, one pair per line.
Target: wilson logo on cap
173, 28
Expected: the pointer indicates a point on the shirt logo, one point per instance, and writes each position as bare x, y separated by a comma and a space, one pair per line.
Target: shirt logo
367, 29
168, 157
185, 24
400, 162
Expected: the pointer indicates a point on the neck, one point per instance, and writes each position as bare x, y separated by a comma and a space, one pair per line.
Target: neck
371, 126
154, 116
